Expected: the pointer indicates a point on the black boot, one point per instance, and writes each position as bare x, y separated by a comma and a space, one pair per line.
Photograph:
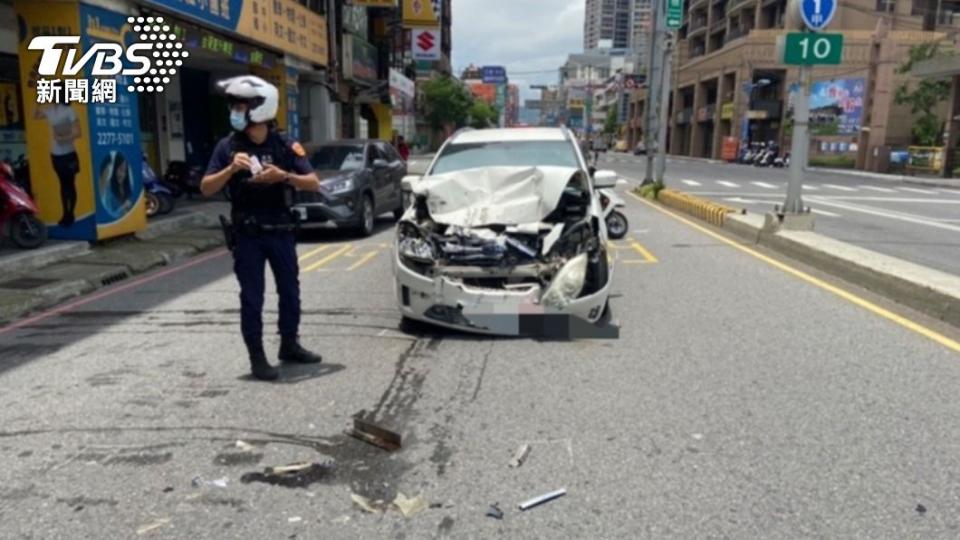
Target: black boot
260, 367
291, 351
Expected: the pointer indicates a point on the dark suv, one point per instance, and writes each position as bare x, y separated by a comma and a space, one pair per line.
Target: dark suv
359, 180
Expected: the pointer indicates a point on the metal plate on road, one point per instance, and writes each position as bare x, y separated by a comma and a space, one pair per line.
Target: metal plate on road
808, 49
674, 14
817, 14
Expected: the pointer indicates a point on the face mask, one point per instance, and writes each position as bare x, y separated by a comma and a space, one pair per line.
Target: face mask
238, 120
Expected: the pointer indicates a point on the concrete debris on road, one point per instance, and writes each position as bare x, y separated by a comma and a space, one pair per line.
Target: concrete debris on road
371, 433
244, 446
537, 501
295, 475
520, 456
368, 506
151, 526
221, 483
294, 519
494, 511
410, 507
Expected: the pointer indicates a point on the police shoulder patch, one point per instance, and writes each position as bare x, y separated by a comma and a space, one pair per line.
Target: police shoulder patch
298, 149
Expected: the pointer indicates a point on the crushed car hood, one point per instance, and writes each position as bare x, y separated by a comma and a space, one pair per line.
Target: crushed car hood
494, 195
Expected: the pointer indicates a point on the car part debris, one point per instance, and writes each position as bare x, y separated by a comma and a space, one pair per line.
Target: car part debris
537, 501
294, 519
295, 475
221, 483
151, 526
371, 433
244, 446
520, 456
410, 507
368, 506
494, 511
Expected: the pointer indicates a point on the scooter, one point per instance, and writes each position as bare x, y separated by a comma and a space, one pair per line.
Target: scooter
159, 197
18, 213
617, 224
182, 179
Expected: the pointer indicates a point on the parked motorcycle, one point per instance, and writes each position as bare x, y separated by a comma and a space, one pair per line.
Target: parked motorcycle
617, 224
159, 197
18, 213
182, 179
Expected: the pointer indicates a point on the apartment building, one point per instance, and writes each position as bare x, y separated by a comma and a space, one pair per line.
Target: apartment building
728, 82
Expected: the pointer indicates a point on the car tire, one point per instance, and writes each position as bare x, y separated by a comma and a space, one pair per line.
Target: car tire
167, 203
617, 225
367, 217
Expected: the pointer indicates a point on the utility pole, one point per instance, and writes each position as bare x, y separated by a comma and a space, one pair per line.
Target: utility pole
799, 145
654, 83
665, 89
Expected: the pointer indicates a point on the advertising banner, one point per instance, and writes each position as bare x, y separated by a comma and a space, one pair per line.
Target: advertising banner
494, 74
293, 103
58, 132
376, 3
282, 24
114, 130
422, 12
484, 92
836, 107
196, 38
425, 43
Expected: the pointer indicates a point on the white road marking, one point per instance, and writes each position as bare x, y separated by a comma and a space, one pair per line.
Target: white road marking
741, 200
728, 184
880, 189
764, 185
950, 191
691, 182
824, 213
839, 188
917, 190
909, 218
808, 187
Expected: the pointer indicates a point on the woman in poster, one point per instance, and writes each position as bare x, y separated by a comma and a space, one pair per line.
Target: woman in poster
116, 188
64, 130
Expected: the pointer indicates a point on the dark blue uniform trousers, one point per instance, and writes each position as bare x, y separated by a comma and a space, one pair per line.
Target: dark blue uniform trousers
250, 256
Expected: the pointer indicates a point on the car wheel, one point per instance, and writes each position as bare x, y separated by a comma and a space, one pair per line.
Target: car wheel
366, 217
617, 225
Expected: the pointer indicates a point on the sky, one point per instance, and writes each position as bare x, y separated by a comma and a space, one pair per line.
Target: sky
522, 35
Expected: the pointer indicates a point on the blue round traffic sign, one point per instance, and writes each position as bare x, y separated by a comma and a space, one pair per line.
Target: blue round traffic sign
817, 14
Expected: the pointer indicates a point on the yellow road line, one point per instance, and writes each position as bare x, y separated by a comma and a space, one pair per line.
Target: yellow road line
363, 260
328, 258
846, 295
314, 252
644, 252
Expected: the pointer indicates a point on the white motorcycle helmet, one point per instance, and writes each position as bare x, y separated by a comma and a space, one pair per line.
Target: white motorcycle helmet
262, 98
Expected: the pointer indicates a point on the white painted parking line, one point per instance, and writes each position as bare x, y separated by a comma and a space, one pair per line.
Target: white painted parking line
899, 216
880, 189
691, 182
764, 185
839, 188
917, 190
808, 187
728, 184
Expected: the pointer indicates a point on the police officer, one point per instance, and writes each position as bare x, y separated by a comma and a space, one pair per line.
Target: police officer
262, 169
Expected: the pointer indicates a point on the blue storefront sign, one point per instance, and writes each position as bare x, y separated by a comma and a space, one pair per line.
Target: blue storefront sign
494, 74
114, 130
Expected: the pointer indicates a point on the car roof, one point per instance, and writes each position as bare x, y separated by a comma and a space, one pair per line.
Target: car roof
508, 134
343, 142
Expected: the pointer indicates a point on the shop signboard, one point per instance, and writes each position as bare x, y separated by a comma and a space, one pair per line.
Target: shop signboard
293, 102
195, 38
726, 111
422, 13
494, 74
376, 3
484, 92
355, 20
364, 60
425, 43
284, 25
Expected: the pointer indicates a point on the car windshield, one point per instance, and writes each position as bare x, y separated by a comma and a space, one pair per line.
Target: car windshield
458, 157
338, 158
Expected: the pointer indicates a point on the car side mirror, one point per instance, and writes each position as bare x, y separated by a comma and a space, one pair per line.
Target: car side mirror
605, 179
380, 164
409, 182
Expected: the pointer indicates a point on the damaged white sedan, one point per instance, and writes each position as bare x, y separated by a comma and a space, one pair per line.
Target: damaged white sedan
508, 250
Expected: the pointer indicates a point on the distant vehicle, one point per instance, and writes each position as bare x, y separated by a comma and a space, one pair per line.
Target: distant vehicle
621, 146
506, 230
640, 149
18, 212
359, 180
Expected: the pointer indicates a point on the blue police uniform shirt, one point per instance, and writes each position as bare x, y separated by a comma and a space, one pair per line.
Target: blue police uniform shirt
276, 149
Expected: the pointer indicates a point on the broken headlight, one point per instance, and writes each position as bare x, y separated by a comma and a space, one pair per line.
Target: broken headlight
567, 284
412, 244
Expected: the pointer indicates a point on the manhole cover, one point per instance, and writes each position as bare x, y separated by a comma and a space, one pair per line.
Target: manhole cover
26, 283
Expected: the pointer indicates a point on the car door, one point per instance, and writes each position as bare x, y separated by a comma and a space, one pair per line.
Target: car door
380, 178
397, 170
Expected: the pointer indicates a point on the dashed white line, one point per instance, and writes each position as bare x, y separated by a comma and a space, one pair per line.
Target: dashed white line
728, 184
691, 182
824, 213
900, 216
880, 189
808, 187
764, 185
839, 188
917, 190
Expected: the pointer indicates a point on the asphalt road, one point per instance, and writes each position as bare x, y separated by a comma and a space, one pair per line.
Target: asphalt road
916, 223
739, 401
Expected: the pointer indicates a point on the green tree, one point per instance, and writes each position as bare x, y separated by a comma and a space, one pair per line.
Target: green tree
611, 126
923, 96
483, 115
446, 103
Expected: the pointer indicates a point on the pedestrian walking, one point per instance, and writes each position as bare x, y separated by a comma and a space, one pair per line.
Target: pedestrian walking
262, 169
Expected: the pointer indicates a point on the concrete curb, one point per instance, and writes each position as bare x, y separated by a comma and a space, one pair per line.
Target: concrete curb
29, 259
933, 182
928, 291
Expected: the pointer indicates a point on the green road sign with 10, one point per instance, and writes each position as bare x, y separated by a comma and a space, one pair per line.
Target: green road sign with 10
808, 48
674, 13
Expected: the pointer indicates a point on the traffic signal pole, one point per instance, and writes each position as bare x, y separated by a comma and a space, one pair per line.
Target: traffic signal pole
799, 145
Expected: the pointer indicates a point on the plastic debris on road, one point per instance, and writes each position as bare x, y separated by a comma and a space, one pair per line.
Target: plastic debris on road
244, 446
537, 501
410, 507
221, 483
295, 475
520, 456
365, 504
294, 519
494, 511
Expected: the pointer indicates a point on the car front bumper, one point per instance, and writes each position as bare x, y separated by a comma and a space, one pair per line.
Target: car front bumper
444, 302
321, 210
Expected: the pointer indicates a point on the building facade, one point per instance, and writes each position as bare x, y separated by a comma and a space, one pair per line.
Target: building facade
728, 84
608, 20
